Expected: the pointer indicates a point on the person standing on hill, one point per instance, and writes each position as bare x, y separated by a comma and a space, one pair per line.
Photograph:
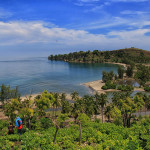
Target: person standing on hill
10, 129
19, 125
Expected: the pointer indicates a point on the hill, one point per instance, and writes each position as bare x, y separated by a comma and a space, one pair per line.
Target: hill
127, 56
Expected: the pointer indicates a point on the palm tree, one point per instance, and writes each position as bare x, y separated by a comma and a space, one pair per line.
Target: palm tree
74, 95
108, 112
101, 102
57, 102
63, 97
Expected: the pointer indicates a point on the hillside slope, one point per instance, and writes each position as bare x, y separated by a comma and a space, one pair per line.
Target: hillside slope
127, 55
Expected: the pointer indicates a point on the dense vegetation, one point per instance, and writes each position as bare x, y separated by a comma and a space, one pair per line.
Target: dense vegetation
77, 126
127, 56
95, 136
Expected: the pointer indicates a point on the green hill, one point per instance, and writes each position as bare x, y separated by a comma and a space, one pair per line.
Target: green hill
127, 55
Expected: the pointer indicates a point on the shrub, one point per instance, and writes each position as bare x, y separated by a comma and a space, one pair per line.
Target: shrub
83, 118
125, 87
104, 87
147, 89
109, 85
46, 123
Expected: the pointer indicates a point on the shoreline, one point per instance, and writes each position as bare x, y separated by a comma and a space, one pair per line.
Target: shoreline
121, 64
96, 86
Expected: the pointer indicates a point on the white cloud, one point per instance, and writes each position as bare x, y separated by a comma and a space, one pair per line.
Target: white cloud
13, 33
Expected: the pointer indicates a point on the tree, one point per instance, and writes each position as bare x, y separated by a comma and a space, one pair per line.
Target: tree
11, 108
74, 95
26, 112
43, 102
56, 103
78, 107
66, 107
60, 123
107, 76
101, 102
129, 71
120, 72
107, 55
142, 74
107, 112
6, 93
89, 105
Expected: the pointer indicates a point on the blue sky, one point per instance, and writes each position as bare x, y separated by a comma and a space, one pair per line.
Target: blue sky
30, 28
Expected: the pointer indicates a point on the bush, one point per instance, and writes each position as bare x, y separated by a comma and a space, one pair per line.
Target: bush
46, 123
109, 85
83, 118
147, 89
104, 87
125, 87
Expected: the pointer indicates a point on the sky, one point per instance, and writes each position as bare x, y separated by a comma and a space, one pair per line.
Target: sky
38, 28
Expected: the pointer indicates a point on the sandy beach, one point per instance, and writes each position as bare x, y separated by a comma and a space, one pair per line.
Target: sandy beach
121, 64
96, 86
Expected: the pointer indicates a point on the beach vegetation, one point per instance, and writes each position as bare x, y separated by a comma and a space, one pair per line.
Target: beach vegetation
107, 76
129, 71
123, 87
6, 93
77, 127
120, 72
143, 74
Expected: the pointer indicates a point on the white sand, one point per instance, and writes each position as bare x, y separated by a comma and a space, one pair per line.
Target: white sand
97, 85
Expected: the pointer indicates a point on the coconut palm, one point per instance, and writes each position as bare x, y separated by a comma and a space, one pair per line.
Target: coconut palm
101, 102
108, 112
57, 102
74, 95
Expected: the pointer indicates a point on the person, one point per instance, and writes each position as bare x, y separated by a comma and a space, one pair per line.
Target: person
10, 129
19, 125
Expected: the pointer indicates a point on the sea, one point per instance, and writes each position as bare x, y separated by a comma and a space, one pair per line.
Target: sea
34, 75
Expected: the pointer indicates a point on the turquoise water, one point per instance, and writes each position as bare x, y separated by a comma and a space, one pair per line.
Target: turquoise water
38, 74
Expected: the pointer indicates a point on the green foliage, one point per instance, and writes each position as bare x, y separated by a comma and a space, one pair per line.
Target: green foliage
94, 136
142, 74
147, 89
66, 107
11, 108
75, 95
121, 72
46, 123
129, 71
128, 56
109, 85
108, 76
7, 93
125, 87
83, 118
44, 101
61, 119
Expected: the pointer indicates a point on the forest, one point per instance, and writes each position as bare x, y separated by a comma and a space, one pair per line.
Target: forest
127, 56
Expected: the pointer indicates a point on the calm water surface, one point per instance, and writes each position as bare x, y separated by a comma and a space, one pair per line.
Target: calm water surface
38, 74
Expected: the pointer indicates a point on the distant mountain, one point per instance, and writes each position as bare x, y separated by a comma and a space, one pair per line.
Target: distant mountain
127, 55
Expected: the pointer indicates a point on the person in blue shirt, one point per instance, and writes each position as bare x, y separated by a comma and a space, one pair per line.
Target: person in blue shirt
19, 125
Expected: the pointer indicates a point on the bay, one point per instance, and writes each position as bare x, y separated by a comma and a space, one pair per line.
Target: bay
38, 74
